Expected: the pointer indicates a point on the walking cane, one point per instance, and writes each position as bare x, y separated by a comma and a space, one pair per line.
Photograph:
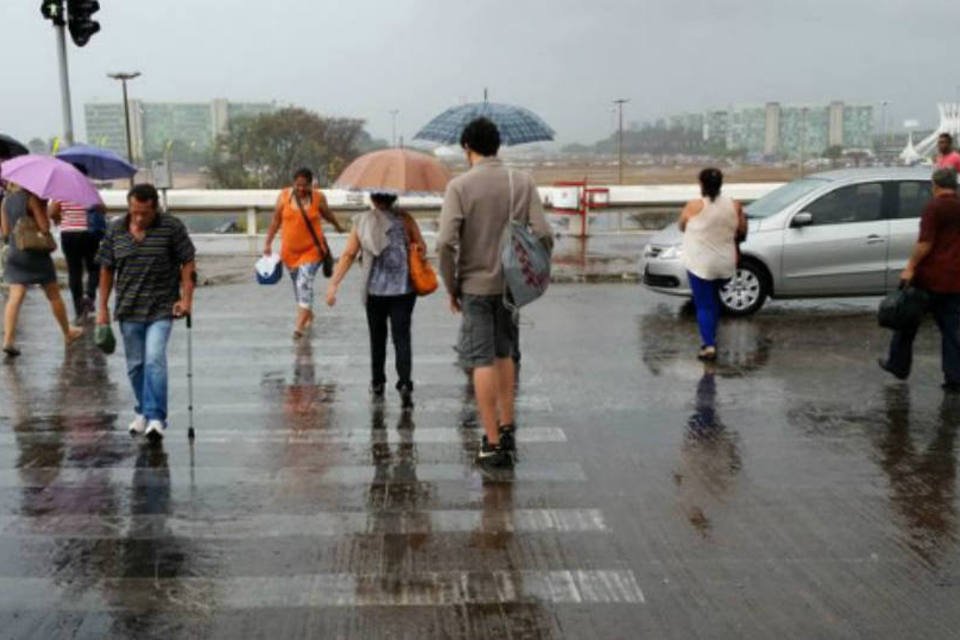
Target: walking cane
190, 431
189, 319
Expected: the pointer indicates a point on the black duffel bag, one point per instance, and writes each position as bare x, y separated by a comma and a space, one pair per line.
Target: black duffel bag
903, 308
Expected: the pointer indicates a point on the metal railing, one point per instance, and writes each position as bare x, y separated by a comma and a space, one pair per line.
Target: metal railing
251, 206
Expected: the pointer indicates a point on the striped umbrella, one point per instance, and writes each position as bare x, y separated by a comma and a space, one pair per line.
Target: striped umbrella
517, 125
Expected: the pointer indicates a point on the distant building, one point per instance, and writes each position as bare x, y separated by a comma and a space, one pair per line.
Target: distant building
780, 130
686, 121
153, 125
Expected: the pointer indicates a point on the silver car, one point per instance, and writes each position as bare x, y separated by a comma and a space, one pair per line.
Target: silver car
839, 233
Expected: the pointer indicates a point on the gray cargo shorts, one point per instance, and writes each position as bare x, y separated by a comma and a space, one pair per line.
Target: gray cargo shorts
487, 331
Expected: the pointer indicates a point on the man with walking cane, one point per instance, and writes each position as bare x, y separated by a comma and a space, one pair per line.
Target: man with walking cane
150, 258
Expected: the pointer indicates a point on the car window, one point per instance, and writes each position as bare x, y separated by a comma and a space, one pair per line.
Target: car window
913, 197
781, 197
856, 203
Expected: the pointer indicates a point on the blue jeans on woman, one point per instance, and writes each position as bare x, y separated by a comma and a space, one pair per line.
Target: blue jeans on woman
706, 299
145, 344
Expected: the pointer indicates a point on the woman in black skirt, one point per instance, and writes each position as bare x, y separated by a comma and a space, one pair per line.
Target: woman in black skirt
24, 268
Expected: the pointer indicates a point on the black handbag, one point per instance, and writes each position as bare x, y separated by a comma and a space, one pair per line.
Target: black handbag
326, 256
903, 309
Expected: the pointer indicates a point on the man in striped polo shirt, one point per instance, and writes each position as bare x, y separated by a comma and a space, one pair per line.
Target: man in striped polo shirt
150, 258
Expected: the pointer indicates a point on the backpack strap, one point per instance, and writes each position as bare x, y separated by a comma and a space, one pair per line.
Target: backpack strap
507, 238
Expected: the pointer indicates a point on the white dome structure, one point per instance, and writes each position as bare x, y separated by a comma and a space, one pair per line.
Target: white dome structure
909, 155
949, 123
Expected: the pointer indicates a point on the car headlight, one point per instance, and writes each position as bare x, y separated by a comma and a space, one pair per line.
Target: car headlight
672, 253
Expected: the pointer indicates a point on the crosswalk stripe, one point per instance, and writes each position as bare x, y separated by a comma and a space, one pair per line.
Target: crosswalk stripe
525, 435
38, 477
532, 403
529, 403
446, 588
151, 527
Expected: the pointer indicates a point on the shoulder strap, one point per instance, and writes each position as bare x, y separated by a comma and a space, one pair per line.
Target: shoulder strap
510, 180
306, 221
409, 224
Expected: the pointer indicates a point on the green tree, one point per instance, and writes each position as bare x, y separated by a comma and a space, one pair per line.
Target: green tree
264, 151
833, 153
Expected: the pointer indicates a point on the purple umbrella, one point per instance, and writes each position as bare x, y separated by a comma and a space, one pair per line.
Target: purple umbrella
50, 178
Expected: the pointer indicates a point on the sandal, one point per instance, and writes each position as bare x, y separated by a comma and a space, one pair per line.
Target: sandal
74, 334
297, 334
707, 354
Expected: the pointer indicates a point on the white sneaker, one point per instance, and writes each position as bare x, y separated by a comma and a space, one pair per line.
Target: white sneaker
155, 429
138, 426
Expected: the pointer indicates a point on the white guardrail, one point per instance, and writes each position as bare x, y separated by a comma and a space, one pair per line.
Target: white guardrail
253, 205
254, 201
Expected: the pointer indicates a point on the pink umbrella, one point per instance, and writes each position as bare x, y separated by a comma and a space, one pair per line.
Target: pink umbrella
48, 177
395, 171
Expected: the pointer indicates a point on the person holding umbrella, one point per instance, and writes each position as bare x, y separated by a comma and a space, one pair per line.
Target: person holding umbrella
393, 254
81, 230
385, 236
23, 268
476, 211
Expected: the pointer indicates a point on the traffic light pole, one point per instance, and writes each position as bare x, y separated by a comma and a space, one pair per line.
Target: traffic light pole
64, 85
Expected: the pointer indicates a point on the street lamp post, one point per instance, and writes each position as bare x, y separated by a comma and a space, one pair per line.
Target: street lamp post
123, 78
395, 113
883, 120
803, 137
620, 102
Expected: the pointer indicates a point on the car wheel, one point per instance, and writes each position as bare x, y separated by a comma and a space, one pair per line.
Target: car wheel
746, 291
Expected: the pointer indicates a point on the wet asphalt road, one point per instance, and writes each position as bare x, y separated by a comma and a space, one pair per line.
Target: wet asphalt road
791, 491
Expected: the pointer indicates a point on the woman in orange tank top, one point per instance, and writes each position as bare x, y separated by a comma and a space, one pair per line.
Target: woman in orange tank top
298, 248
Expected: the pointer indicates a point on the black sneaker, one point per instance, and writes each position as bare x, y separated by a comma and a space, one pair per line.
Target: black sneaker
508, 440
406, 395
376, 391
883, 365
493, 457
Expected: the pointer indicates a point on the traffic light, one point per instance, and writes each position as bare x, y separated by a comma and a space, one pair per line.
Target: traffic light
52, 10
80, 23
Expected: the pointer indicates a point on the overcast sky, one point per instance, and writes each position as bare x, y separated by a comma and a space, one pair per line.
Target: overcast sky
565, 60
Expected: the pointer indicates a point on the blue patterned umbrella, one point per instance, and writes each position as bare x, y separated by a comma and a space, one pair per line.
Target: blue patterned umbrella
517, 125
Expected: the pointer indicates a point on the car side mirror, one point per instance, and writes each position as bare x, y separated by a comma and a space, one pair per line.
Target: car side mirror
802, 219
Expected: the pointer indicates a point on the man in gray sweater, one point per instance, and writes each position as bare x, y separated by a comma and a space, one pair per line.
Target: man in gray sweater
476, 210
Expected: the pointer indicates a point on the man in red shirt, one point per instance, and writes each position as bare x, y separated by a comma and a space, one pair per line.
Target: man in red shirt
935, 268
947, 156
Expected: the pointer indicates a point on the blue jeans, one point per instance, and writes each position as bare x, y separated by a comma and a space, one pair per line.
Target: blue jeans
706, 298
145, 344
946, 311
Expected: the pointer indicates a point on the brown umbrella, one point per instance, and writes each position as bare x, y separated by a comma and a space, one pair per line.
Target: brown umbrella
395, 171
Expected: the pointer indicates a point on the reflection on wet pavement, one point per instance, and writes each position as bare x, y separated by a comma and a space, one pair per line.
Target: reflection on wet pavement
710, 457
922, 474
789, 490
